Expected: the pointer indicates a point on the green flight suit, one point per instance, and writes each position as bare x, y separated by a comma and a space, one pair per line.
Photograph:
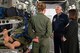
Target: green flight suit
40, 25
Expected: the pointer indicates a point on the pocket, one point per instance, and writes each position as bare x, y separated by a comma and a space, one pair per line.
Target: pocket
45, 42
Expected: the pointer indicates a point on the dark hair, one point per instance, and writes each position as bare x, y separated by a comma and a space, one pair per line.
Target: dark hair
73, 14
41, 6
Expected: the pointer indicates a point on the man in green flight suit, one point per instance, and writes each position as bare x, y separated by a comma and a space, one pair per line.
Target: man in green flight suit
40, 29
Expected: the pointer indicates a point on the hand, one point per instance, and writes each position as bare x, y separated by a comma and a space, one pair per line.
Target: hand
63, 39
36, 39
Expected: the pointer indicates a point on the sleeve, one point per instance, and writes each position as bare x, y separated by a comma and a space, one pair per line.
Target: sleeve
49, 29
72, 30
30, 29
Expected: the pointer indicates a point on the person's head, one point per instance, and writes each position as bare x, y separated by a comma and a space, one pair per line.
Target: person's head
41, 7
73, 14
58, 9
